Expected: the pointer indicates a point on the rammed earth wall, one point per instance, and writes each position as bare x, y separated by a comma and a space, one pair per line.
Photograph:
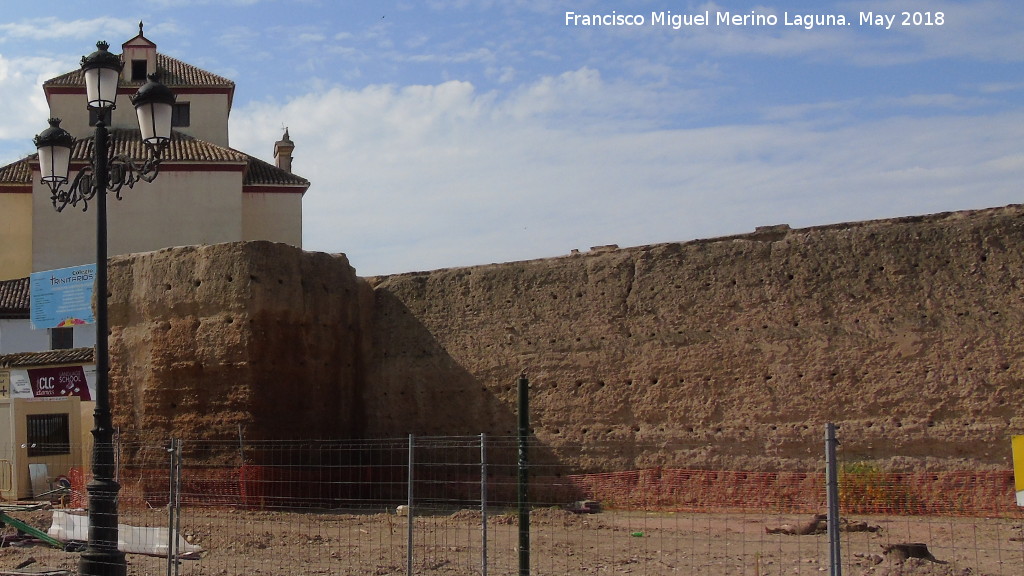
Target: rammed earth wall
729, 352
254, 339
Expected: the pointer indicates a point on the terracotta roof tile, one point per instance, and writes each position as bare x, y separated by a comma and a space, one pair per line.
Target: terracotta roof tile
183, 148
176, 75
262, 173
19, 172
14, 298
47, 358
172, 72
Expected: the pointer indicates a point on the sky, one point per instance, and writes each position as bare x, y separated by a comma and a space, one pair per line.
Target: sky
447, 133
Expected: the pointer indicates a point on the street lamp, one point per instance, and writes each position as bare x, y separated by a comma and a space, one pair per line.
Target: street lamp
153, 103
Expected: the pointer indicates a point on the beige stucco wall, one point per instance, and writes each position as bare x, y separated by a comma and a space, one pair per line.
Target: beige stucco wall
179, 208
208, 115
15, 482
274, 217
70, 108
15, 235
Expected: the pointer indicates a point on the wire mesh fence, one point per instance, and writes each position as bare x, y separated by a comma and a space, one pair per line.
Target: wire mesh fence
450, 505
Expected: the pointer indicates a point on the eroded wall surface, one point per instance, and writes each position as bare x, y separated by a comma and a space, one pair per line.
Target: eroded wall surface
725, 352
256, 338
730, 352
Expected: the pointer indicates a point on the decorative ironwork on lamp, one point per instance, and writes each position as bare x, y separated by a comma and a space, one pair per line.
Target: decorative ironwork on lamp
153, 105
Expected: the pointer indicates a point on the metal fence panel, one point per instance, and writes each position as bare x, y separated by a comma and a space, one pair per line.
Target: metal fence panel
338, 507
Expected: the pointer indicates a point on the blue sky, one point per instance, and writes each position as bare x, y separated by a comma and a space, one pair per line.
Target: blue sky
450, 133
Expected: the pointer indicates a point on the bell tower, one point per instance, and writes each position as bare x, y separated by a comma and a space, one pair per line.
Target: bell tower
139, 56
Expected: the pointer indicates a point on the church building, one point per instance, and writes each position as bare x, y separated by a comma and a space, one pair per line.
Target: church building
206, 192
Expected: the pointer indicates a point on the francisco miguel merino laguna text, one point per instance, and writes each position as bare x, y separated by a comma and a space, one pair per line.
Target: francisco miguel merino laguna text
707, 18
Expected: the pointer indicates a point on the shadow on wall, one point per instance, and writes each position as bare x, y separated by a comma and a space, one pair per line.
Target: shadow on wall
415, 386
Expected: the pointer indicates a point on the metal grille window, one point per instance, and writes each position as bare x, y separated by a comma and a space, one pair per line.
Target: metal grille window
62, 338
48, 434
181, 114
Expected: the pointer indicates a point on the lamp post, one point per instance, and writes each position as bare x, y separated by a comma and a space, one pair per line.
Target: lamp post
153, 103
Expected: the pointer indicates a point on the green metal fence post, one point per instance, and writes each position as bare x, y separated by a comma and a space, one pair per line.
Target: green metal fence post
523, 484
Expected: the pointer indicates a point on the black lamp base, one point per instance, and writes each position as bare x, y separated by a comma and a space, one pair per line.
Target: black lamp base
102, 563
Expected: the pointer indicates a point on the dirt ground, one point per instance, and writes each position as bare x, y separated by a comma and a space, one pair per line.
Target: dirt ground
444, 543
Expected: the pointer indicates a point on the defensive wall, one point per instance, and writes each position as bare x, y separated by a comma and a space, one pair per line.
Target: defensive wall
727, 353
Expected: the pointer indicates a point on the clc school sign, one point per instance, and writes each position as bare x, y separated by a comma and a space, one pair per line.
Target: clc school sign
59, 382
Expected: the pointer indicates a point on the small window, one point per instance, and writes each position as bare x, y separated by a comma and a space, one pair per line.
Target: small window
138, 70
180, 114
94, 117
62, 338
48, 434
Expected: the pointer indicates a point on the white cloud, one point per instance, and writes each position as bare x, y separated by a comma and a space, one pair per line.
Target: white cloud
424, 177
179, 4
89, 29
550, 139
1000, 87
482, 55
25, 106
983, 30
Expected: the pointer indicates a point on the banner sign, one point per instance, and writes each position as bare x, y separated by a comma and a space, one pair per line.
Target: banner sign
1018, 468
63, 297
54, 382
